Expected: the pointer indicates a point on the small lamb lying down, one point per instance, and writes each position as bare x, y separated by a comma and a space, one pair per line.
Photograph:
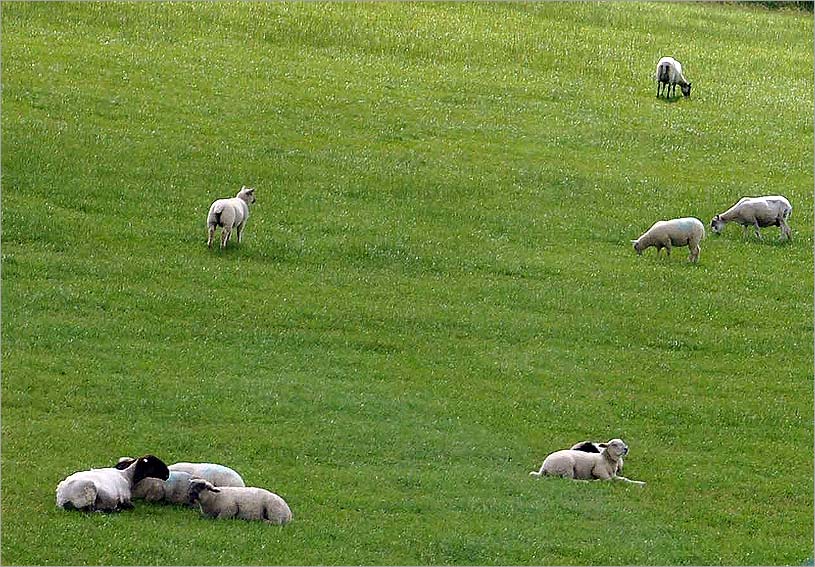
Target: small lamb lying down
246, 503
580, 465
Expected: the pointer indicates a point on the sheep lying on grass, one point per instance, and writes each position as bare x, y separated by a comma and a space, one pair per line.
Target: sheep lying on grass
687, 231
108, 489
773, 210
580, 465
246, 503
592, 447
176, 488
669, 74
229, 214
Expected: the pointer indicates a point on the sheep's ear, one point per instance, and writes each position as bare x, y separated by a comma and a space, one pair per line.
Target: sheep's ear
213, 489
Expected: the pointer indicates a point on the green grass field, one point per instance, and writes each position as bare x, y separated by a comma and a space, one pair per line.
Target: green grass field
435, 289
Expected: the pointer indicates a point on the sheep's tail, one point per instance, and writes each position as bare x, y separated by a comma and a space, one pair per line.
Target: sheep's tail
79, 494
214, 216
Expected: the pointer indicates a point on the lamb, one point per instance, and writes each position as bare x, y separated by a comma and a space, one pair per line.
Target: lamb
108, 489
592, 447
580, 465
176, 488
246, 503
669, 73
687, 231
229, 214
772, 210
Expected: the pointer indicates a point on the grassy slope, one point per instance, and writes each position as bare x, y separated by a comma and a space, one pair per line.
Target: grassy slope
435, 289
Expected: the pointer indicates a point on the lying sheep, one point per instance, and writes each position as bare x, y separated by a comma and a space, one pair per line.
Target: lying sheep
246, 503
592, 447
108, 489
687, 231
229, 214
176, 488
773, 210
669, 73
580, 465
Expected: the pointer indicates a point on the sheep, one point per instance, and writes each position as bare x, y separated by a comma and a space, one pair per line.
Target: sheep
176, 489
772, 210
687, 231
229, 214
580, 465
592, 447
246, 503
108, 489
669, 73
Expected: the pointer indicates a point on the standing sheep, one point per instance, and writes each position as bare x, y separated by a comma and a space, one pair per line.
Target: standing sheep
229, 214
108, 489
669, 73
246, 503
580, 465
687, 231
772, 210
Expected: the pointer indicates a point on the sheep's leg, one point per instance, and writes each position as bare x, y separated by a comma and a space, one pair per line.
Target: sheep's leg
211, 235
239, 231
785, 229
694, 253
758, 234
623, 479
225, 236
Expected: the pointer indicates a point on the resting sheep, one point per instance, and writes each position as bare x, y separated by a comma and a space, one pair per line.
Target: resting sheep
687, 231
176, 488
669, 73
580, 465
229, 214
246, 503
108, 489
773, 210
592, 447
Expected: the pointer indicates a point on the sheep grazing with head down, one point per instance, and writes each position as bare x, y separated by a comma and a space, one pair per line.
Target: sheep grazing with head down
108, 489
687, 231
229, 214
669, 74
758, 212
246, 503
581, 465
176, 488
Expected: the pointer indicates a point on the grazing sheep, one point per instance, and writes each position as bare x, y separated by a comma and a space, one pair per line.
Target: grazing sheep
773, 210
246, 503
669, 73
229, 214
687, 231
108, 489
591, 447
176, 489
580, 465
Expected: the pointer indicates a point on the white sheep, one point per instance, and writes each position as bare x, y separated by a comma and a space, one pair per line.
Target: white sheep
108, 489
592, 447
669, 73
580, 465
176, 489
772, 210
246, 503
229, 214
687, 231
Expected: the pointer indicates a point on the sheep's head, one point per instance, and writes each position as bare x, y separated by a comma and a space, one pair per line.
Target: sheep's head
247, 194
149, 466
685, 89
616, 448
199, 485
637, 247
717, 224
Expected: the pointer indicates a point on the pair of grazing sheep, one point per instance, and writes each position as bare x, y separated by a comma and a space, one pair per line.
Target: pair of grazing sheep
758, 212
218, 491
588, 461
229, 214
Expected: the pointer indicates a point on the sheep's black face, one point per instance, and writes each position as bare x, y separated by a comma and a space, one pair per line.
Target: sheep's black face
150, 466
716, 225
686, 90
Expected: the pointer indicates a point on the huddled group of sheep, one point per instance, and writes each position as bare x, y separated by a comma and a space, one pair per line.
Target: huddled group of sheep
218, 491
758, 212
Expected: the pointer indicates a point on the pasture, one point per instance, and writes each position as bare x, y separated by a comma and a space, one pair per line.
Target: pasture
435, 288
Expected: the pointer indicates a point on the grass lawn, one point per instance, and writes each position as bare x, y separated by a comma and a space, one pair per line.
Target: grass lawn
435, 289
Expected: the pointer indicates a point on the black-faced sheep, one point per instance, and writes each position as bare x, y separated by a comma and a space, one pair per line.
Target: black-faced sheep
246, 503
758, 212
581, 465
669, 74
108, 489
229, 214
687, 231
